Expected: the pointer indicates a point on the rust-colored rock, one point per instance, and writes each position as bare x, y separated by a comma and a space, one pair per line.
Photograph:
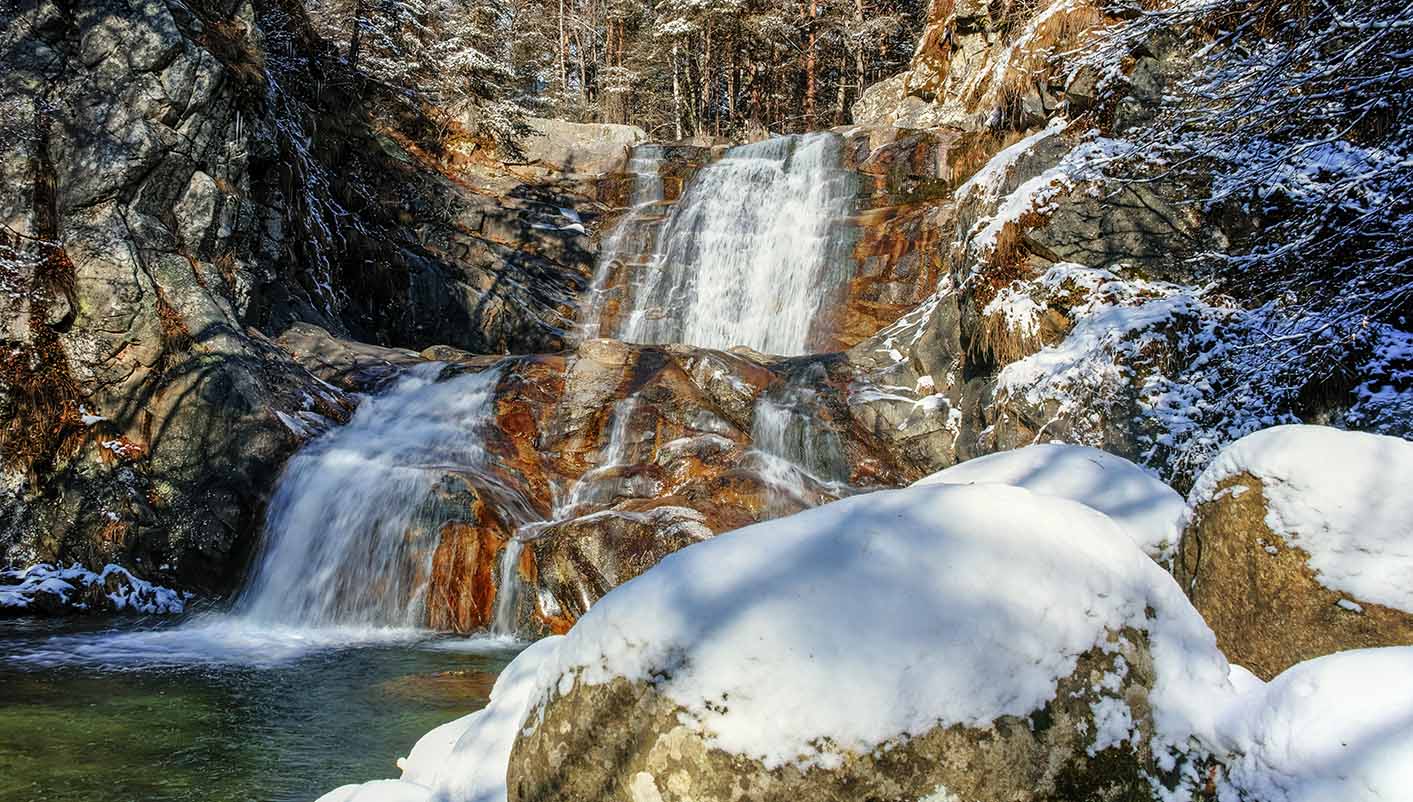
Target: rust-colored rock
1260, 596
579, 561
462, 593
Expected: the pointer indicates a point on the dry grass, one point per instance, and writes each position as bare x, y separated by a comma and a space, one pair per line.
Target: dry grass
975, 149
1037, 52
934, 52
225, 264
231, 43
176, 337
44, 426
1002, 342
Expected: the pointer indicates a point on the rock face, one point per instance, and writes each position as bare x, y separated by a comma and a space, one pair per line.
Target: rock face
141, 416
168, 185
580, 560
649, 449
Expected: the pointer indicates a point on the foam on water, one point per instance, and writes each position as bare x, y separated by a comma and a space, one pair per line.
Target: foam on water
213, 640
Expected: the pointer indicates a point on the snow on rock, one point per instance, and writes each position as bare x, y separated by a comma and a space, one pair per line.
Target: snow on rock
1084, 163
46, 588
1149, 354
986, 185
1333, 729
1148, 510
1341, 497
933, 606
1244, 681
464, 760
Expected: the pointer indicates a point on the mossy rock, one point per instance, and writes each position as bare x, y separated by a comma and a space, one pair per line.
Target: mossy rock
623, 740
1259, 594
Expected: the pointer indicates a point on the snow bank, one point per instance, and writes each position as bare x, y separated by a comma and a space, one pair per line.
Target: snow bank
1148, 510
465, 760
906, 610
1342, 497
129, 593
1334, 729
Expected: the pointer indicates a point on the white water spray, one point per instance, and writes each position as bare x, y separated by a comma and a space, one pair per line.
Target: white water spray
751, 251
354, 523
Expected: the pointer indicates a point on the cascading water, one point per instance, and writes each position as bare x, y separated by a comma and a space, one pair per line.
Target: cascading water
750, 252
353, 526
591, 486
631, 238
792, 451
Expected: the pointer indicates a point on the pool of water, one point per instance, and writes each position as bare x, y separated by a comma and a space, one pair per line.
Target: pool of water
214, 710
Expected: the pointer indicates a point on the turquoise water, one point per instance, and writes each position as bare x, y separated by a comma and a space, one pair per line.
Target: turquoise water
210, 712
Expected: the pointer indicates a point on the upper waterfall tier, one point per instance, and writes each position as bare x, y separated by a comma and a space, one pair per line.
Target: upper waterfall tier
747, 257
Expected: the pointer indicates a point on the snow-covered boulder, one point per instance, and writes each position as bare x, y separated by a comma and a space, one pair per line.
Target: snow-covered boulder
1334, 729
45, 589
1148, 510
1300, 544
942, 642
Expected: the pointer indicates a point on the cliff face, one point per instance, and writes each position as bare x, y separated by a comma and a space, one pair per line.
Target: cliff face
1028, 264
1118, 265
177, 178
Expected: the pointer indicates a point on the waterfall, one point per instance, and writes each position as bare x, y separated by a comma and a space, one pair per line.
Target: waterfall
599, 483
629, 240
749, 253
355, 520
790, 449
507, 610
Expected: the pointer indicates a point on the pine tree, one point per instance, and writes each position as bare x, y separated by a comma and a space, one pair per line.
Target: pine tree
467, 66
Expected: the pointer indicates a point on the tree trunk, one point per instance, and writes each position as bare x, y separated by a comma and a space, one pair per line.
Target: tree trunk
563, 54
811, 67
355, 40
676, 95
859, 53
706, 75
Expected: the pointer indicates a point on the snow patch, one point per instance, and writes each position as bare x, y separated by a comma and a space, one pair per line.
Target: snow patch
1334, 728
1148, 510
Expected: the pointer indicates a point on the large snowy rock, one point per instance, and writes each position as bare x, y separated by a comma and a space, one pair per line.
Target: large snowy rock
1148, 510
582, 148
1300, 544
984, 643
1338, 728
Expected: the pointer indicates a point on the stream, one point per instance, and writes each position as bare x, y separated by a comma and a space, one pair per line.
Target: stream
122, 712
